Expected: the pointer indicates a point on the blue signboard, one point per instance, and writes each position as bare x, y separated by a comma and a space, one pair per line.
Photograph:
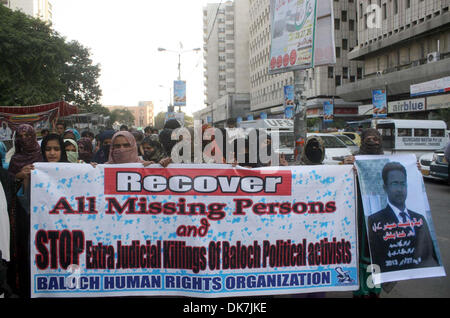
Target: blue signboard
179, 93
379, 102
328, 112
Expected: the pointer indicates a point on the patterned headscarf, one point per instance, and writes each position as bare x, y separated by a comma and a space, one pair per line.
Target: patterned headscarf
74, 132
121, 155
28, 150
86, 154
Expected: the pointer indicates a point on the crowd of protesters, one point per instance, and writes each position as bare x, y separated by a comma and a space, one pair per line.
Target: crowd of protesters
116, 147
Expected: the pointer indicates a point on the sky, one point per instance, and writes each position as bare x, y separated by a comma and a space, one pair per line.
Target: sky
124, 37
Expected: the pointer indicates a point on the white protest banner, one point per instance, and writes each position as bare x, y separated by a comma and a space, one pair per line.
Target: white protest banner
401, 235
192, 230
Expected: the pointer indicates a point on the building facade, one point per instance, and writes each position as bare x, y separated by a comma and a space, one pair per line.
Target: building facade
143, 113
267, 91
402, 43
41, 9
226, 71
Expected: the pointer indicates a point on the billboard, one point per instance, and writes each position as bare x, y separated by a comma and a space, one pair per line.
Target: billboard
302, 35
293, 25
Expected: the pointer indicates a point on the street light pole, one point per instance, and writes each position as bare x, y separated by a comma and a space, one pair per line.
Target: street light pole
179, 52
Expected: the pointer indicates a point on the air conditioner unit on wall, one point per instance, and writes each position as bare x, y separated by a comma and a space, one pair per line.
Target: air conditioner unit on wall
433, 57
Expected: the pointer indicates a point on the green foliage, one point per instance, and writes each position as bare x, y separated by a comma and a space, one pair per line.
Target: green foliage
122, 116
37, 66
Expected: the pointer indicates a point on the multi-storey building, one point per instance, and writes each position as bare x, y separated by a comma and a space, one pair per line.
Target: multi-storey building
402, 43
267, 91
143, 113
41, 9
226, 74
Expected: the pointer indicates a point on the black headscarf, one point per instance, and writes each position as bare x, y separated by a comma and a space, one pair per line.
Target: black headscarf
313, 151
102, 155
370, 148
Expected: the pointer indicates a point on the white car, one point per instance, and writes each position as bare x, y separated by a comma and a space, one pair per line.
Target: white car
335, 149
424, 163
349, 143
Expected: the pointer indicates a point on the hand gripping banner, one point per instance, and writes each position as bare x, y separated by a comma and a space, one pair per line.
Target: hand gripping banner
191, 230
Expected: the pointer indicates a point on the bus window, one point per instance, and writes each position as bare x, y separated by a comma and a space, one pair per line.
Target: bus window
420, 132
404, 132
387, 138
437, 132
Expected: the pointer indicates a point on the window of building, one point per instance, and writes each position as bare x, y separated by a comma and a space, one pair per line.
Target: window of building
338, 52
351, 25
330, 71
345, 72
337, 24
359, 73
384, 11
344, 44
338, 80
395, 6
408, 4
344, 16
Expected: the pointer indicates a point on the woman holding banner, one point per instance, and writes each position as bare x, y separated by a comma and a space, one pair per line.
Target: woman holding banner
27, 152
124, 149
53, 149
370, 145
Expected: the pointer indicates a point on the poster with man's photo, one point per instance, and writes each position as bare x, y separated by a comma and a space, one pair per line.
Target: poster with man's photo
400, 230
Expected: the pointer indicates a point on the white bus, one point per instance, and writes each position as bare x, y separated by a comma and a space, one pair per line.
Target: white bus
412, 136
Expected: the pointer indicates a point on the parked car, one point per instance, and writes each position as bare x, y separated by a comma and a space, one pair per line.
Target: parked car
354, 148
439, 166
354, 136
424, 163
335, 149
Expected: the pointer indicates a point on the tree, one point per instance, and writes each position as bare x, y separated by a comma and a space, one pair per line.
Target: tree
122, 116
37, 66
80, 77
159, 120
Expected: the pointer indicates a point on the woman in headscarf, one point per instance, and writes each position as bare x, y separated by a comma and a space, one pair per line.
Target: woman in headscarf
152, 149
370, 145
72, 133
85, 148
102, 155
27, 152
124, 149
53, 149
313, 151
71, 147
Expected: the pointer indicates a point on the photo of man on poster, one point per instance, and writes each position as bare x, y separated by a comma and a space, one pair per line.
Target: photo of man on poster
399, 238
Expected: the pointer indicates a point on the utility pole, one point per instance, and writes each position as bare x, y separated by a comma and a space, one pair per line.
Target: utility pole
299, 113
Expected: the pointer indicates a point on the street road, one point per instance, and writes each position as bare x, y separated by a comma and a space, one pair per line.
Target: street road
439, 199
